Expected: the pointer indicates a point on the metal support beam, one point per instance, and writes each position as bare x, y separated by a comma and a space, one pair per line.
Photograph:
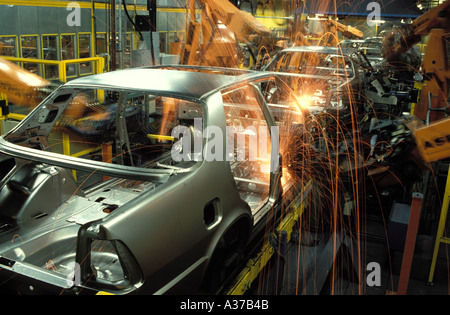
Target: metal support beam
411, 234
113, 35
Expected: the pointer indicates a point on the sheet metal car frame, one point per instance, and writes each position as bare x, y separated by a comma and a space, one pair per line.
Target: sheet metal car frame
331, 78
160, 238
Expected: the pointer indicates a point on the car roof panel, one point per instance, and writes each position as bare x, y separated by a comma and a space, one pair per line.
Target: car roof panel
185, 82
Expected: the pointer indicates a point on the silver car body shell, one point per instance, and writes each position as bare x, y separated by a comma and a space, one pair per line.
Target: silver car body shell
163, 228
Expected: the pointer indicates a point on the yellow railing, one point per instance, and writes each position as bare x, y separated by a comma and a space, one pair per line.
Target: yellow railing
98, 67
99, 64
65, 139
440, 236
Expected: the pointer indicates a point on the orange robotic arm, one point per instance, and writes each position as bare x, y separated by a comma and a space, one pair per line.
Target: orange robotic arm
436, 24
222, 26
21, 87
330, 29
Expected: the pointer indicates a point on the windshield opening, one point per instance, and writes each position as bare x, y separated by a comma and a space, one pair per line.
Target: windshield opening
128, 128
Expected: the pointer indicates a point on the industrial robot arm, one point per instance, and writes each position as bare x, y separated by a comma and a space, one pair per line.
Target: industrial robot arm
436, 24
20, 86
223, 26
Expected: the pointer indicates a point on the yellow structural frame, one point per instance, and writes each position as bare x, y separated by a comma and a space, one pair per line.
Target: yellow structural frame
418, 85
85, 5
75, 50
37, 49
37, 44
63, 4
42, 45
29, 35
16, 41
99, 64
58, 51
440, 238
65, 139
91, 48
106, 40
160, 137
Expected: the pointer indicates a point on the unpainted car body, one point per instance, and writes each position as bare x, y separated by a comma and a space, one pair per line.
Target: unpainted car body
370, 49
327, 79
116, 211
357, 109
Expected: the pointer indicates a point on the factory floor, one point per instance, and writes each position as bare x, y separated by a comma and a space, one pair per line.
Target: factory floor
306, 266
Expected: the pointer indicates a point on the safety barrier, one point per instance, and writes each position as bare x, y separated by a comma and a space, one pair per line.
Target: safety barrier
98, 67
99, 64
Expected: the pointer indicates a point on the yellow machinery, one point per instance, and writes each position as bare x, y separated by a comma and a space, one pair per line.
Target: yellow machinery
433, 144
330, 29
222, 26
20, 86
435, 23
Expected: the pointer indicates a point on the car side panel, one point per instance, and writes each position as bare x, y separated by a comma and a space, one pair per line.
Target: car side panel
166, 230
